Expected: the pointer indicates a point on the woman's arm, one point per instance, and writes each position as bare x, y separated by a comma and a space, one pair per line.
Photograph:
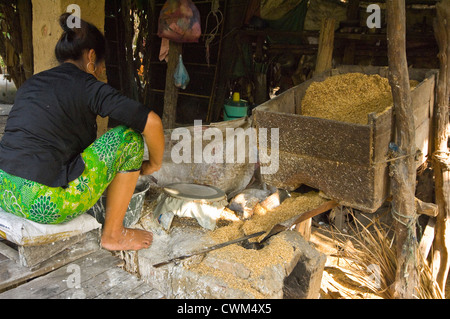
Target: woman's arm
154, 138
104, 100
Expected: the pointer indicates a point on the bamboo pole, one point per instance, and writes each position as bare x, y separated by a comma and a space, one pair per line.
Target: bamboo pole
441, 156
402, 171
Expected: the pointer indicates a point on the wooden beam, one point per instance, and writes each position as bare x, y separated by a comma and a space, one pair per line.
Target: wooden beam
326, 46
427, 238
424, 208
441, 156
403, 170
171, 91
9, 252
33, 256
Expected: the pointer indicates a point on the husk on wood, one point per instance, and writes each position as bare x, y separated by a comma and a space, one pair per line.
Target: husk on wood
371, 258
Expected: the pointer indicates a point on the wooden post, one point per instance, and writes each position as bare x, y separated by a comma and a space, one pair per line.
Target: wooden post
25, 16
46, 32
326, 46
46, 29
304, 228
403, 170
441, 156
350, 45
353, 10
171, 91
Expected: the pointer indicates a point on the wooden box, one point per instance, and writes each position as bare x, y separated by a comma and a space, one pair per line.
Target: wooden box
347, 162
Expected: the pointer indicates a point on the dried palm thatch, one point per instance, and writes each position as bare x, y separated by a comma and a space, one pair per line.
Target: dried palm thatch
371, 260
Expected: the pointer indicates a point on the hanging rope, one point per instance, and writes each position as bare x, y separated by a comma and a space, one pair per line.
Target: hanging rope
216, 14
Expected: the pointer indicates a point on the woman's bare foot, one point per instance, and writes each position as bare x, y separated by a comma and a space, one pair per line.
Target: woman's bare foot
127, 239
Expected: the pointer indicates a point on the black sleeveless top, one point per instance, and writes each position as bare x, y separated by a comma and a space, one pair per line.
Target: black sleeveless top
53, 121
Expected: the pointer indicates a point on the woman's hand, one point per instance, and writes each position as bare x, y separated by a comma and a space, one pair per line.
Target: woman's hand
148, 168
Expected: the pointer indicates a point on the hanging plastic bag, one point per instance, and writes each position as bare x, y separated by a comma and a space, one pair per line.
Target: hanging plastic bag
179, 21
181, 75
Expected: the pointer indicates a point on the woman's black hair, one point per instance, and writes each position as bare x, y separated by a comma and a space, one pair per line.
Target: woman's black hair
74, 40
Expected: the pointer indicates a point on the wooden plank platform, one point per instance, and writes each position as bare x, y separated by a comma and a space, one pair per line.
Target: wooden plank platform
14, 273
94, 276
33, 257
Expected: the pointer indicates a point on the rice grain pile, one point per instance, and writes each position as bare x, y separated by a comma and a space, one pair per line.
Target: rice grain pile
348, 97
256, 260
264, 220
253, 261
295, 205
231, 280
277, 251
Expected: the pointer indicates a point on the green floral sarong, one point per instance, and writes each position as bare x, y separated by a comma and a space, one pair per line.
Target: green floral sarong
119, 150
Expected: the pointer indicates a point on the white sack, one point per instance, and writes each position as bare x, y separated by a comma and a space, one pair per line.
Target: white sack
24, 232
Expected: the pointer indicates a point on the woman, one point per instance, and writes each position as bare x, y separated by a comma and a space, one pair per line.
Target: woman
52, 168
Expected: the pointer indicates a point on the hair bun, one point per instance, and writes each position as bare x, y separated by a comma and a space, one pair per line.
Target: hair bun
77, 37
63, 22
